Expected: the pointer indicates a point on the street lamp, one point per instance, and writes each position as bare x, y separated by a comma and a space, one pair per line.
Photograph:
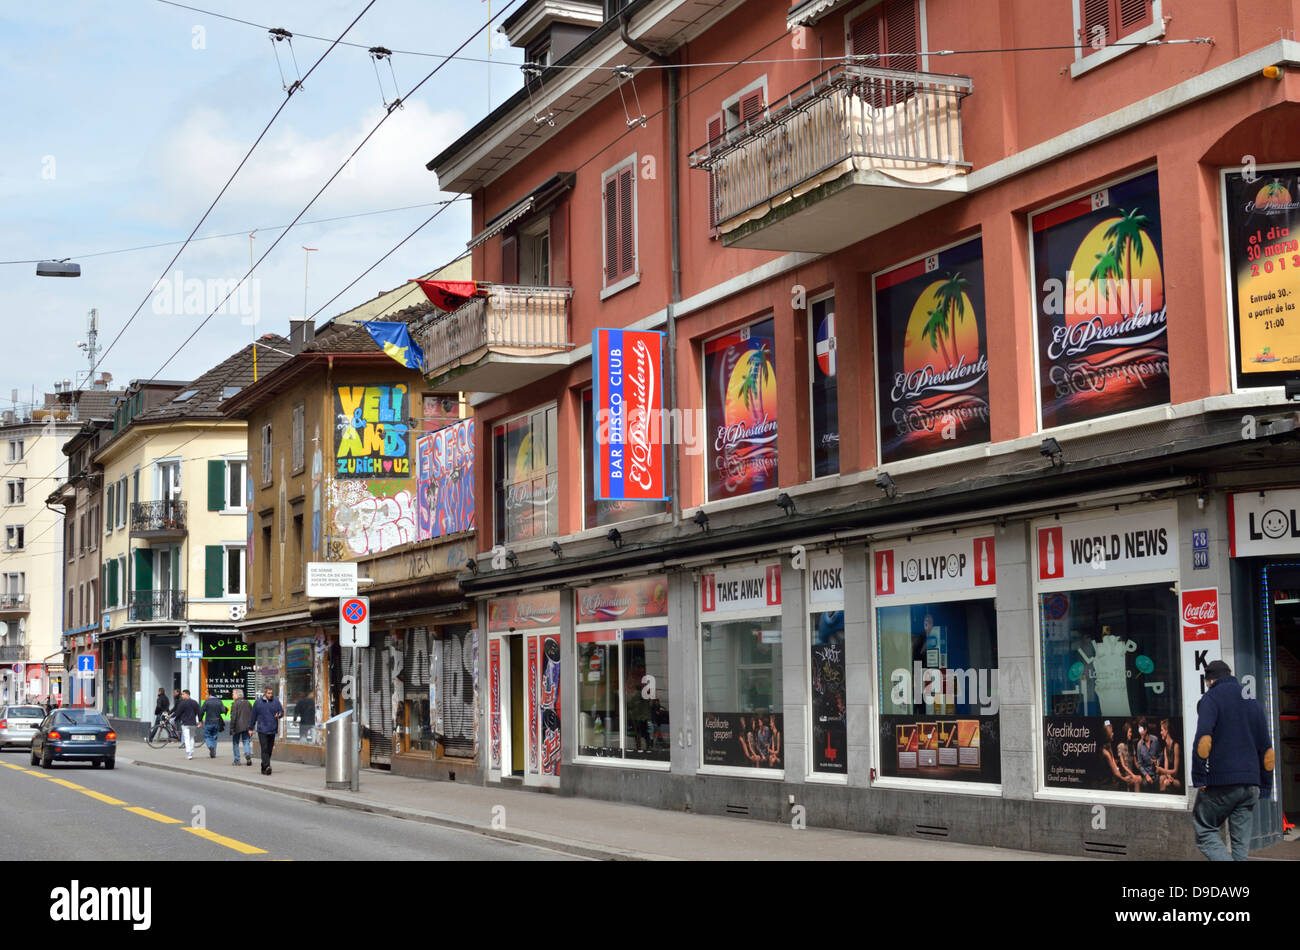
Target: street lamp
57, 269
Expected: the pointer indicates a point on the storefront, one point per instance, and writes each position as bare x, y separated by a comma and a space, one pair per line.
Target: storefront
936, 637
524, 688
827, 677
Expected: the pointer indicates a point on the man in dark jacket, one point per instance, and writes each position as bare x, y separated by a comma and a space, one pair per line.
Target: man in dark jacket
186, 715
161, 706
267, 712
241, 721
212, 714
1232, 767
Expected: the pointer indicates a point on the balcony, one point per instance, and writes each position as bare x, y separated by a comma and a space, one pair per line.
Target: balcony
158, 519
13, 654
852, 153
500, 342
146, 605
15, 602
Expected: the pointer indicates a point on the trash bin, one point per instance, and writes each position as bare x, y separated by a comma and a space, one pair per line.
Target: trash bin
338, 751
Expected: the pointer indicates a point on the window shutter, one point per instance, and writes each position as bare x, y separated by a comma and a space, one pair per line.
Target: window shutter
1133, 13
611, 229
864, 37
143, 569
1095, 13
214, 562
509, 260
216, 485
626, 223
751, 107
108, 512
715, 133
902, 35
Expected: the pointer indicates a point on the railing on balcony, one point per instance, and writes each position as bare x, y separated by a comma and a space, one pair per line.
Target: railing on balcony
145, 605
157, 516
14, 602
510, 320
905, 125
13, 654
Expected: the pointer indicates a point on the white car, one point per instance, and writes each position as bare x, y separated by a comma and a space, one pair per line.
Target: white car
18, 725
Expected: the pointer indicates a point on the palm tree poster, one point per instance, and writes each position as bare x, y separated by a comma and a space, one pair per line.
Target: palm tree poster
1263, 242
1100, 294
741, 411
933, 388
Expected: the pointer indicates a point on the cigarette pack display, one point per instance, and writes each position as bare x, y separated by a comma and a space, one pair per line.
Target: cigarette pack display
968, 743
928, 744
907, 747
948, 742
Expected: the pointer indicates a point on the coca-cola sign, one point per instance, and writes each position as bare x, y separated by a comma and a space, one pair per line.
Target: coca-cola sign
1200, 612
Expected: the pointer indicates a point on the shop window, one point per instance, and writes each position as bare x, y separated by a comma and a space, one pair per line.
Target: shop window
415, 721
456, 696
741, 411
825, 393
827, 678
620, 714
599, 513
266, 669
525, 459
300, 688
1112, 698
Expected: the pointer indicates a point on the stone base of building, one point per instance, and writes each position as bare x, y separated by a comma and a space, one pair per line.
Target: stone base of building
438, 770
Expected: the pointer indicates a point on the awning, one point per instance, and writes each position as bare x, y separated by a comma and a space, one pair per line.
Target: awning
537, 199
808, 12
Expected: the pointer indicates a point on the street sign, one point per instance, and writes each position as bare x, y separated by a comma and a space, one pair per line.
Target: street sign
331, 578
189, 654
18, 669
86, 663
354, 621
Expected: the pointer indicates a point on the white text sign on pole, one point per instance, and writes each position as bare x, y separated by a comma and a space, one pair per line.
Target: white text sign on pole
354, 621
332, 579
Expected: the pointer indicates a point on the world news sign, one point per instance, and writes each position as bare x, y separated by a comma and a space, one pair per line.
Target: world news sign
627, 378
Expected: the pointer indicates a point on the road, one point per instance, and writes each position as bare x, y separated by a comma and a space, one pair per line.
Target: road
75, 812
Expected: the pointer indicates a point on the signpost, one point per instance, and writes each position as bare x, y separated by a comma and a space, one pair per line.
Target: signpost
354, 631
189, 654
86, 666
332, 579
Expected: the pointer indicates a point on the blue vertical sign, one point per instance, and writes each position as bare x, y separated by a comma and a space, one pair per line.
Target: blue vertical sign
1200, 549
607, 349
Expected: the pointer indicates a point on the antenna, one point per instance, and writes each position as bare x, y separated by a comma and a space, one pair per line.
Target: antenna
91, 347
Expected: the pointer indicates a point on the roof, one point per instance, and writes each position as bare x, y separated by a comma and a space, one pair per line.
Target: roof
355, 338
97, 403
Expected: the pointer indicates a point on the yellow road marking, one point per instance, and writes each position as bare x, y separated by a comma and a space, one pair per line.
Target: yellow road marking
37, 774
230, 843
10, 765
66, 784
136, 809
106, 799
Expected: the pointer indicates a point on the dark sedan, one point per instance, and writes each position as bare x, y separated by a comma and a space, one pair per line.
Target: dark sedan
75, 735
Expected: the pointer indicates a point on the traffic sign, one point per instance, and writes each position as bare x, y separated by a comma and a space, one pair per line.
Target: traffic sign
86, 663
331, 578
189, 654
18, 669
354, 621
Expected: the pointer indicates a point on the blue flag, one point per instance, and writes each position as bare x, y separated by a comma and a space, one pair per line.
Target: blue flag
395, 340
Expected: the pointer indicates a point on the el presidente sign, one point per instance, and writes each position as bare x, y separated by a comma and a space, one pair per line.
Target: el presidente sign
627, 372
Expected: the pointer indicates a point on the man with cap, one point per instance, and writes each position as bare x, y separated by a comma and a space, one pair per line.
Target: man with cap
1232, 766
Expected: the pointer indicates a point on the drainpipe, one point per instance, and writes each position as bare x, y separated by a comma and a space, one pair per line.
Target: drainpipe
674, 204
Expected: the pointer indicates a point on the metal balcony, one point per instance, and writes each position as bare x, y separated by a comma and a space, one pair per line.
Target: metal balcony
15, 602
14, 654
158, 519
146, 605
852, 153
498, 343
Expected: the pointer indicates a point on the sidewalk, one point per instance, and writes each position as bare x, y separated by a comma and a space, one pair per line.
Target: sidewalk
579, 826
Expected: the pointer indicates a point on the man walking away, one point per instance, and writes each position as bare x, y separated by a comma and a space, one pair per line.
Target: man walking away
212, 715
1233, 765
186, 715
161, 707
266, 711
241, 721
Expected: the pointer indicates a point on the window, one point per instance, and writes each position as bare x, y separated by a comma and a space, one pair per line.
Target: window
298, 566
15, 585
15, 450
299, 425
266, 454
744, 107
14, 491
14, 537
266, 558
92, 600
167, 480
618, 186
827, 678
535, 253
70, 613
236, 557
741, 411
135, 486
526, 476
121, 502
890, 28
82, 534
70, 539
226, 488
600, 513
825, 400
1102, 24
109, 508
92, 526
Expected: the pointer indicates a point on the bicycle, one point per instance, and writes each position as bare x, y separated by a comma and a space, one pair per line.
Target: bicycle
163, 733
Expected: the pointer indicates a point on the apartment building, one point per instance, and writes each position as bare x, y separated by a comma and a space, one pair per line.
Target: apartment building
976, 360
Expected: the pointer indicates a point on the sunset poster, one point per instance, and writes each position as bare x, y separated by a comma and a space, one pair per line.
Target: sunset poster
930, 334
1100, 298
740, 401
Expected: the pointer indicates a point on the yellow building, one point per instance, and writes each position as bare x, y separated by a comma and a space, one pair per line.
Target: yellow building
175, 537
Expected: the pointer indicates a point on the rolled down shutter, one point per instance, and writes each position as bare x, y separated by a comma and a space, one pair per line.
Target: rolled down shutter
626, 223
216, 485
143, 569
213, 566
110, 585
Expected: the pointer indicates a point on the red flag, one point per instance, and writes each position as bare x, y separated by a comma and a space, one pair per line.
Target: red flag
448, 294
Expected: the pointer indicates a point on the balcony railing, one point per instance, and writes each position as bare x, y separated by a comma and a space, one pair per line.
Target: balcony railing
13, 654
14, 602
904, 125
510, 321
145, 605
158, 517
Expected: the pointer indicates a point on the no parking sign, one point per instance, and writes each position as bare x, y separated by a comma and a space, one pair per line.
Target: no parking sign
354, 621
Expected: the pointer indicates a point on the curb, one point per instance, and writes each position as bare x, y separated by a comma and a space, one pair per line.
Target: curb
563, 845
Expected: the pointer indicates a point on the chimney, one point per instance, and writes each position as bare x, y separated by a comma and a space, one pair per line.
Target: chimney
301, 334
104, 380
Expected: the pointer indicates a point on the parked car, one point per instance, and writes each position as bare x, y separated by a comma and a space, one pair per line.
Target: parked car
75, 735
18, 725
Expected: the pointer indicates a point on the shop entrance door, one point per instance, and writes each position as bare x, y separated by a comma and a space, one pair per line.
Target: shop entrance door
515, 743
542, 682
1285, 626
524, 707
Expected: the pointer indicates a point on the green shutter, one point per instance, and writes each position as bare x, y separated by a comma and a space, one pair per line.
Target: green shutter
212, 584
110, 590
108, 512
216, 485
143, 569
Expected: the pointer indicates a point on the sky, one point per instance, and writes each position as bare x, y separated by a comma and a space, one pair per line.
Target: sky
124, 119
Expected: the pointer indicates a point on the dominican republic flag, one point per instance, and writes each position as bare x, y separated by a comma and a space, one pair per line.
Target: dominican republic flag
826, 345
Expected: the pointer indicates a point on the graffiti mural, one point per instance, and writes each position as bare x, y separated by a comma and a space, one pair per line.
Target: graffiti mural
445, 481
370, 517
373, 429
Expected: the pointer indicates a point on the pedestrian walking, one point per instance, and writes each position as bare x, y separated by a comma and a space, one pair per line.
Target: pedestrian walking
241, 721
186, 714
212, 715
267, 712
1232, 767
